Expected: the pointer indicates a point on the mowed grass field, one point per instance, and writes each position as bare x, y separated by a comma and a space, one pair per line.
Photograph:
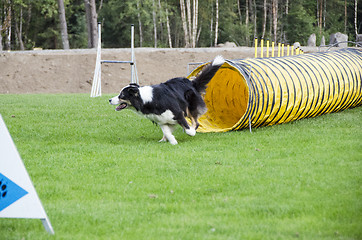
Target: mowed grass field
102, 174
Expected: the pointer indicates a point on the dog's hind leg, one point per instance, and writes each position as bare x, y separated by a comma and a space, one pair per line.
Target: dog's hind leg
195, 109
167, 134
194, 123
189, 130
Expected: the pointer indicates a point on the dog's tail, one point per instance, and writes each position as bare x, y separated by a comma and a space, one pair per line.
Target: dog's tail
207, 73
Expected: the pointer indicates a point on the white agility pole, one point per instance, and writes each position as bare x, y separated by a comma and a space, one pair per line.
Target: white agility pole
132, 56
96, 85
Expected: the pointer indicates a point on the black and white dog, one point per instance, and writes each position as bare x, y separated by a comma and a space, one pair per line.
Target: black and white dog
168, 103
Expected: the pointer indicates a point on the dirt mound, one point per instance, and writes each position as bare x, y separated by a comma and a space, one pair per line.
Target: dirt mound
71, 71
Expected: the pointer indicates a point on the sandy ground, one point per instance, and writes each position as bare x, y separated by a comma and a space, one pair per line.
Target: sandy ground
71, 71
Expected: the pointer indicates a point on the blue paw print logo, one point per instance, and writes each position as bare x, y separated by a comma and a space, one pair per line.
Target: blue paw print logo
10, 192
3, 190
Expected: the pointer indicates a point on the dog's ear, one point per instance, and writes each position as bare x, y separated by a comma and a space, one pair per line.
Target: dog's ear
134, 91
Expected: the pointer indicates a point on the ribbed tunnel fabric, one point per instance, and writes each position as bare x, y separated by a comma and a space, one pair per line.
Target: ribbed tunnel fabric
267, 91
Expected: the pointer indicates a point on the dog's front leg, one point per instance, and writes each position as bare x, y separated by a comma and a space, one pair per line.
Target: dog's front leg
167, 134
163, 139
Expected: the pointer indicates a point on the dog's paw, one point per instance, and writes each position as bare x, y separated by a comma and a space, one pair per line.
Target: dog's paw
163, 139
172, 140
190, 131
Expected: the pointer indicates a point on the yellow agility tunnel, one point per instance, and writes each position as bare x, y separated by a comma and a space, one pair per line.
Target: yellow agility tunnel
266, 91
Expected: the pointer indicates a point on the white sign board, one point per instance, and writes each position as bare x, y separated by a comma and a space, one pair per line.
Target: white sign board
18, 198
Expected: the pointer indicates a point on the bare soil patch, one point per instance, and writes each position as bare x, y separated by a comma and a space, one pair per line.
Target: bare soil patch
71, 71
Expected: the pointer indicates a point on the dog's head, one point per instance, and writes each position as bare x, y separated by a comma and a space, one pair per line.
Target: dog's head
126, 97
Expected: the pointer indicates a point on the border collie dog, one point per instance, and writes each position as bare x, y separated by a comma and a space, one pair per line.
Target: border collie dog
168, 103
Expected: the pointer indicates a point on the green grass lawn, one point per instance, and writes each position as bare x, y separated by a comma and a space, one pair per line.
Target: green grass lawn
102, 174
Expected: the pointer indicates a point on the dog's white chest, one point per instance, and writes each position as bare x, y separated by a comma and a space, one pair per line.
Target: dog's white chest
166, 117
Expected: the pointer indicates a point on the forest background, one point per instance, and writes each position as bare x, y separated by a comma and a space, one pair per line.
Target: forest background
64, 24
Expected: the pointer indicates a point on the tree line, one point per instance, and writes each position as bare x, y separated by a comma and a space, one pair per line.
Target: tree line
64, 24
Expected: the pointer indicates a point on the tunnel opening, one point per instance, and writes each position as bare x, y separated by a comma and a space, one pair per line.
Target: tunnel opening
226, 98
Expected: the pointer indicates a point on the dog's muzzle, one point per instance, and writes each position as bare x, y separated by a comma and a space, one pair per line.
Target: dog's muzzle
116, 101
